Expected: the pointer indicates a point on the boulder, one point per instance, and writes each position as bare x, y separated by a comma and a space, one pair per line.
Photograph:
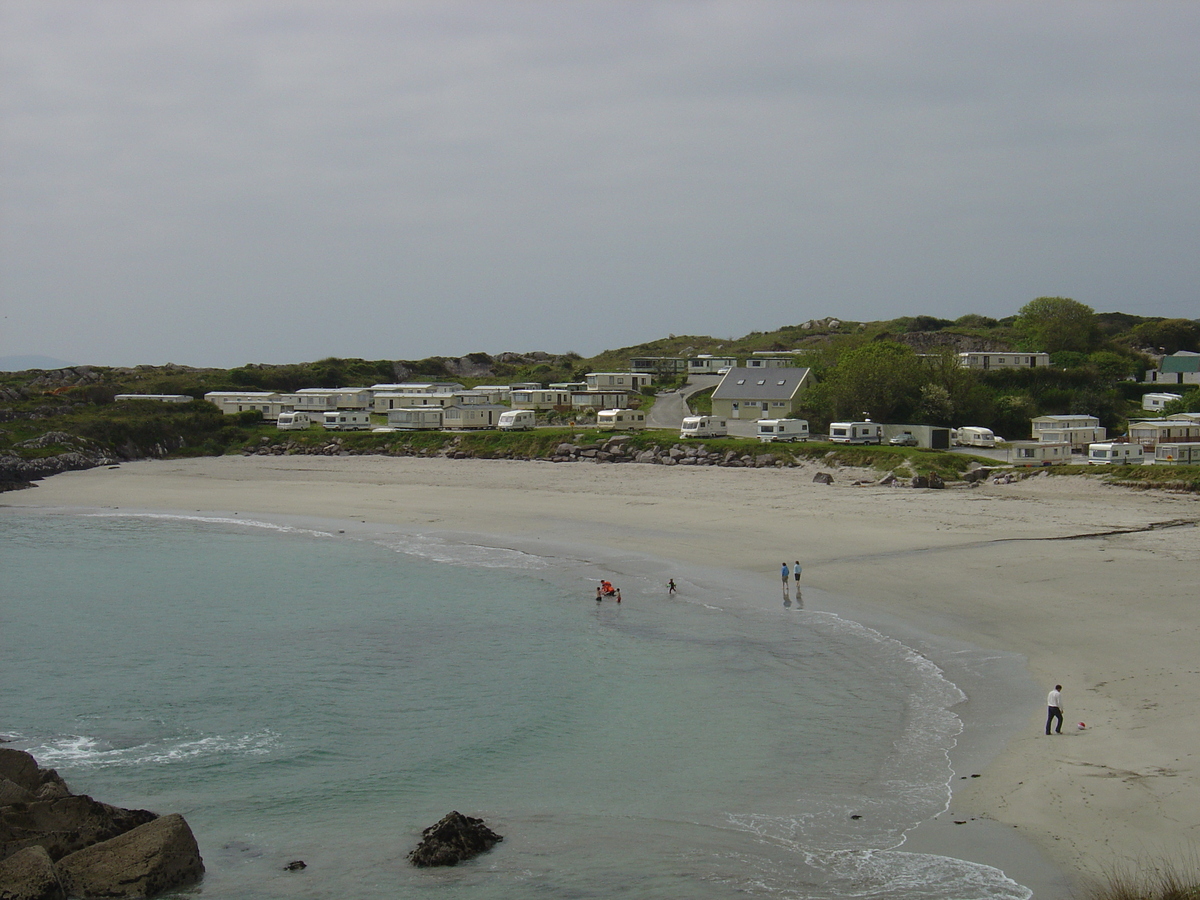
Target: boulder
64, 825
935, 480
29, 875
454, 839
11, 792
823, 478
920, 481
21, 769
152, 858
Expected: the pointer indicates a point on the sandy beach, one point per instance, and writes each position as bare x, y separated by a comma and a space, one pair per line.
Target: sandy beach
1094, 586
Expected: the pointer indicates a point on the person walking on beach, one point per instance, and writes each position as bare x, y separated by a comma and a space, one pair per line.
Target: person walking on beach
671, 586
796, 573
786, 573
1054, 709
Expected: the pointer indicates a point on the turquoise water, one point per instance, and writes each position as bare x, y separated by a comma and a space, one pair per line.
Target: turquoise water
305, 694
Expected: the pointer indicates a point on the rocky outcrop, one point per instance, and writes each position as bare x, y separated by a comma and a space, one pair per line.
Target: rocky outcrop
152, 858
64, 825
454, 839
90, 848
29, 874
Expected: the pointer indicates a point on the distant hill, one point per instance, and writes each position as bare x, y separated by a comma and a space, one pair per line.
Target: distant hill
21, 363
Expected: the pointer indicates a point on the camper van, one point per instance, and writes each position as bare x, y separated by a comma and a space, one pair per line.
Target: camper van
517, 420
703, 427
866, 432
347, 420
971, 436
617, 419
1116, 454
293, 421
782, 430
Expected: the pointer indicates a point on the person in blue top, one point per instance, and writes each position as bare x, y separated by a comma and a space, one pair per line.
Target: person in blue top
786, 573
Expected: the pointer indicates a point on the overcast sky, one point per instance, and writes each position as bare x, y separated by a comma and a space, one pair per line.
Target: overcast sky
212, 183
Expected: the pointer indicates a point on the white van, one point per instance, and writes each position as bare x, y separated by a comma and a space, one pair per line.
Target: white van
616, 419
972, 436
293, 421
517, 420
1116, 454
866, 432
703, 427
782, 430
347, 420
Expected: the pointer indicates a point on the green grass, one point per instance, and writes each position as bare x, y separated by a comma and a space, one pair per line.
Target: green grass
1162, 881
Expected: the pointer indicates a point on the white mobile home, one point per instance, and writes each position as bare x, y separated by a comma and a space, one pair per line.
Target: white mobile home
1076, 430
974, 436
1177, 454
867, 432
347, 420
1152, 432
540, 398
615, 381
1112, 453
703, 427
269, 403
472, 417
1155, 402
979, 359
597, 400
707, 364
420, 418
618, 419
782, 430
517, 420
293, 421
1038, 453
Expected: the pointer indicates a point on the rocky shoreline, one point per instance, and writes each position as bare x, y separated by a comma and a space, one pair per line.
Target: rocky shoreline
56, 845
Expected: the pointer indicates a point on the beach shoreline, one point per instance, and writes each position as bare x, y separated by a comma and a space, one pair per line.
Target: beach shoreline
1000, 569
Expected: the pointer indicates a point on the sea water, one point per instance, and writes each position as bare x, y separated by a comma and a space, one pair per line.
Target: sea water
312, 694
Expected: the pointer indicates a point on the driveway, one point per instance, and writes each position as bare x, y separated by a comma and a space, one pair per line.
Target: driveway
671, 406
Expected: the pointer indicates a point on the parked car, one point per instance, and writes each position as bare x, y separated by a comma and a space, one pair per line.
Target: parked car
903, 440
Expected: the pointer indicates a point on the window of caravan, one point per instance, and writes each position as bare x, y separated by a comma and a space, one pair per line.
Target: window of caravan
840, 432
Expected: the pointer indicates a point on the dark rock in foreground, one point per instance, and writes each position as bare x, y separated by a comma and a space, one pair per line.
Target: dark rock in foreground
454, 839
29, 875
148, 860
54, 844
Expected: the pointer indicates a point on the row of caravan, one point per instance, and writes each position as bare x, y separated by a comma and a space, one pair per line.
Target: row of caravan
1107, 453
434, 418
333, 420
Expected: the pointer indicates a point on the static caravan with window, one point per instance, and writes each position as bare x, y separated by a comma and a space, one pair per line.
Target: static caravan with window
620, 419
347, 420
1114, 454
1039, 453
855, 433
974, 436
293, 421
517, 420
703, 427
417, 418
782, 430
1177, 454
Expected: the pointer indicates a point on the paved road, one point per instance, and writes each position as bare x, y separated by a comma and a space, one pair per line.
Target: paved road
671, 406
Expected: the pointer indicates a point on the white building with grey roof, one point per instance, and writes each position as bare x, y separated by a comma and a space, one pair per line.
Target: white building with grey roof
746, 393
